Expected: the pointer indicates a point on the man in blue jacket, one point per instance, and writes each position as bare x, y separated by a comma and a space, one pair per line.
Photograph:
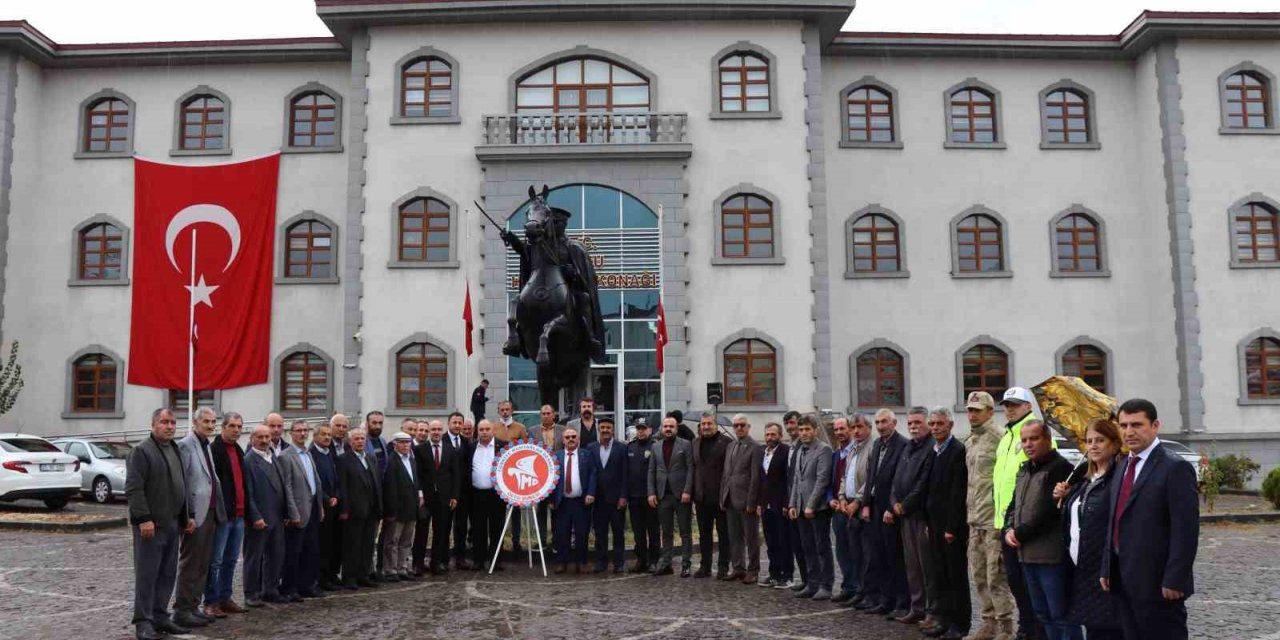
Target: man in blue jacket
574, 494
611, 492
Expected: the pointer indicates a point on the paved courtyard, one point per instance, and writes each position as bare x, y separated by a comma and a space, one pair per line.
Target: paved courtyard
79, 586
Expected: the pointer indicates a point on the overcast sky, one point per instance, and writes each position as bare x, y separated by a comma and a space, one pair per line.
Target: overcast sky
72, 21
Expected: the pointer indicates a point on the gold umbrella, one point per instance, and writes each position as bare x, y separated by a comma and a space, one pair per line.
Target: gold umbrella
1069, 405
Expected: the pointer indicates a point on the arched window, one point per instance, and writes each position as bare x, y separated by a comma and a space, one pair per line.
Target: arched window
1262, 368
315, 119
1078, 244
881, 378
972, 116
95, 382
744, 83
875, 245
108, 126
984, 367
869, 115
422, 377
1087, 362
1257, 233
746, 227
101, 253
979, 245
305, 383
309, 253
582, 84
203, 119
426, 88
424, 231
1247, 100
1067, 114
750, 373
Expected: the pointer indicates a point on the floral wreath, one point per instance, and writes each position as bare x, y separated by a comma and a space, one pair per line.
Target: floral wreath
500, 484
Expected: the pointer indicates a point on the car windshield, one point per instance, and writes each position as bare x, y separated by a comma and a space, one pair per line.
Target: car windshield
110, 450
1175, 447
27, 445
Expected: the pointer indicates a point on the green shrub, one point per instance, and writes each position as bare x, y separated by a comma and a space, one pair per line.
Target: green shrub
1233, 471
1271, 487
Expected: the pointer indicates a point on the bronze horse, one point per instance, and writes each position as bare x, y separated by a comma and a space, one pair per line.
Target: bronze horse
556, 321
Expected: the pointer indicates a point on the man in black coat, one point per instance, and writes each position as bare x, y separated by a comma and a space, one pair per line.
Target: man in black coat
791, 422
478, 400
264, 538
709, 451
359, 510
644, 518
327, 472
439, 468
1154, 531
461, 449
887, 573
948, 531
773, 509
910, 490
402, 501
611, 496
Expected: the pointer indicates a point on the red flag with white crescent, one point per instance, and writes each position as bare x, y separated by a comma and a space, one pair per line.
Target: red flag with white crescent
662, 336
202, 250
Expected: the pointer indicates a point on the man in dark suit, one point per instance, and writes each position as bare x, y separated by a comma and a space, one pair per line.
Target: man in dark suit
739, 498
573, 497
157, 494
339, 425
791, 422
910, 491
773, 508
709, 450
887, 571
611, 496
402, 500
264, 538
487, 508
948, 530
322, 454
670, 492
359, 510
439, 468
462, 513
644, 518
1155, 527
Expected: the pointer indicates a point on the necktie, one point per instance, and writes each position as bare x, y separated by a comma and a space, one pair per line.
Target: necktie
1130, 471
568, 474
436, 450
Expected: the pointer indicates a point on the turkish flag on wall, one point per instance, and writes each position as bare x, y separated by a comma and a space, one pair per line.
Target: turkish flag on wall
662, 336
230, 211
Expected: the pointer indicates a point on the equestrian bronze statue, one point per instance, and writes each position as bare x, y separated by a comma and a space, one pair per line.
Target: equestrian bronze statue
556, 321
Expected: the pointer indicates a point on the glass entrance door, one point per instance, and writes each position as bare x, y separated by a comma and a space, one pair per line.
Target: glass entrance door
603, 384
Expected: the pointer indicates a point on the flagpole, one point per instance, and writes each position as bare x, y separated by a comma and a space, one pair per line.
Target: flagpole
191, 345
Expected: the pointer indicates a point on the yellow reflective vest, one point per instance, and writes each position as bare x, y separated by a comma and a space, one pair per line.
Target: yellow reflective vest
1009, 458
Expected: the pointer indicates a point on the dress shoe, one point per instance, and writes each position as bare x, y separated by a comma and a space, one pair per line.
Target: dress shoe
328, 586
214, 610
702, 572
230, 606
418, 570
934, 631
862, 603
185, 619
735, 576
884, 609
312, 594
638, 567
368, 583
295, 598
663, 571
409, 577
439, 569
564, 568
168, 626
897, 613
808, 592
463, 565
577, 568
350, 586
954, 633
391, 577
274, 598
253, 603
750, 578
145, 631
685, 572
200, 615
822, 594
852, 602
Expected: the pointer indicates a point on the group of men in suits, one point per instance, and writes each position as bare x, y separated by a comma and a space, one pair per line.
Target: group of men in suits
911, 515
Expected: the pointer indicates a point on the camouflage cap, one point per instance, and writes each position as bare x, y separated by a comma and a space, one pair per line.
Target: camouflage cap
980, 400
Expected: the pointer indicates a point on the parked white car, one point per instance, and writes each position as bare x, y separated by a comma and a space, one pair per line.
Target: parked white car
32, 468
101, 466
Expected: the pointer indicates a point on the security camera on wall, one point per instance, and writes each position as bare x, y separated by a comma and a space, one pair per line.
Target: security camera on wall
357, 336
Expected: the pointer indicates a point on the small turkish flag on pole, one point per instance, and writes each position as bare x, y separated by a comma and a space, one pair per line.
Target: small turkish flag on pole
467, 320
662, 336
202, 259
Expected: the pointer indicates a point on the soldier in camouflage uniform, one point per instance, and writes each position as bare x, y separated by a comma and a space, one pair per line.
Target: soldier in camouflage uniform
994, 599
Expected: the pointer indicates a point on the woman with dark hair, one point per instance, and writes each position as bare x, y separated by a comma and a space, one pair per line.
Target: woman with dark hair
1083, 498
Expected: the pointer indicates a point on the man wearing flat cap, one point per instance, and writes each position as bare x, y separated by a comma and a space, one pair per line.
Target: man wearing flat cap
403, 503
